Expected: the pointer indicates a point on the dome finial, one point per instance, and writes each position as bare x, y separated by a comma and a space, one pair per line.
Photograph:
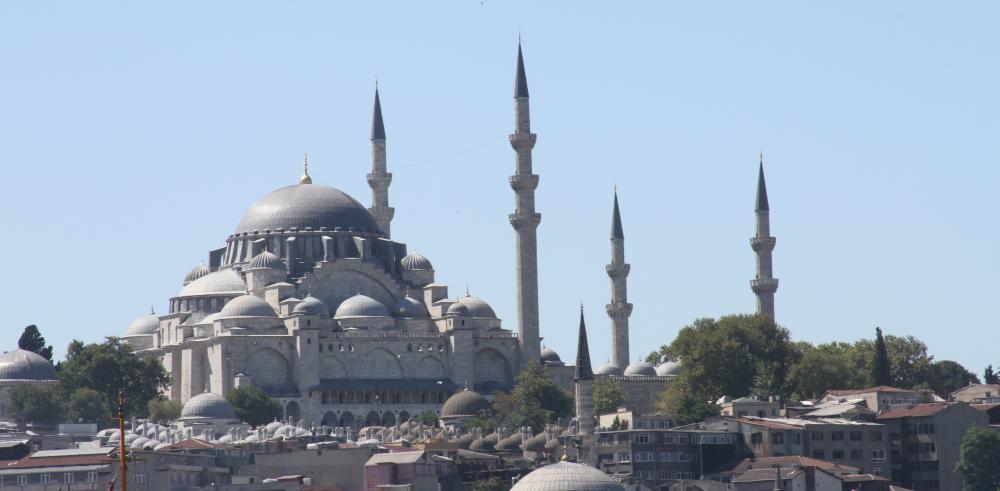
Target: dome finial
151, 311
305, 179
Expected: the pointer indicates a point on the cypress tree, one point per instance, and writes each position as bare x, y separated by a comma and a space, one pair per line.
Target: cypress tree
32, 340
881, 371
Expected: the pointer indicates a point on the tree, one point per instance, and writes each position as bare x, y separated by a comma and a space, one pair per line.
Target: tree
428, 417
946, 376
491, 484
35, 403
535, 400
88, 406
608, 396
820, 369
881, 373
681, 402
990, 377
163, 410
32, 340
979, 459
484, 421
253, 406
110, 366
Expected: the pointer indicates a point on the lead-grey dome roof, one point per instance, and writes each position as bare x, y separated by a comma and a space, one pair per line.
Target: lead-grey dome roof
145, 325
668, 369
22, 365
247, 306
197, 272
608, 369
464, 403
208, 405
550, 357
312, 306
411, 308
567, 476
307, 206
477, 307
266, 260
414, 261
640, 369
222, 282
361, 306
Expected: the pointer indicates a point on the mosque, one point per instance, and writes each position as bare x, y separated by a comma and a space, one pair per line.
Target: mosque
315, 302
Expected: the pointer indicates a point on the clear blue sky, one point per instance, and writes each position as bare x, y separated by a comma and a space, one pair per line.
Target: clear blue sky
133, 136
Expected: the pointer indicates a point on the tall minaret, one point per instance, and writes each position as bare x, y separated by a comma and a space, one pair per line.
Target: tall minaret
584, 382
619, 309
764, 285
524, 219
379, 179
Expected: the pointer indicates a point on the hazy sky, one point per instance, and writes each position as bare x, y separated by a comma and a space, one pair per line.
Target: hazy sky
133, 137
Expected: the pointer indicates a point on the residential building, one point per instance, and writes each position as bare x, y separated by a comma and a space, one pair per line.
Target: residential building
883, 398
410, 471
978, 394
750, 406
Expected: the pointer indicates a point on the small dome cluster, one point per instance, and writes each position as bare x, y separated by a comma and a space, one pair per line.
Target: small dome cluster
411, 308
668, 369
312, 306
640, 369
608, 368
361, 306
246, 306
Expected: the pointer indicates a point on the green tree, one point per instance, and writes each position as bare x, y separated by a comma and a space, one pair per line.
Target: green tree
253, 406
608, 396
32, 340
946, 376
535, 400
990, 377
164, 410
112, 365
35, 403
820, 369
491, 484
684, 405
979, 459
484, 421
881, 371
88, 406
428, 417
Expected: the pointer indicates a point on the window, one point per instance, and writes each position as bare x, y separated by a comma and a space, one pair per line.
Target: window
756, 438
857, 454
92, 476
68, 478
623, 457
45, 479
816, 436
22, 480
878, 456
139, 478
838, 454
876, 436
778, 438
795, 438
741, 413
878, 471
642, 438
856, 436
837, 436
819, 454
684, 457
925, 428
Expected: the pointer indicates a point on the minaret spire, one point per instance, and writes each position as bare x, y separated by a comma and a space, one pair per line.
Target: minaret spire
619, 309
524, 219
379, 179
584, 382
764, 284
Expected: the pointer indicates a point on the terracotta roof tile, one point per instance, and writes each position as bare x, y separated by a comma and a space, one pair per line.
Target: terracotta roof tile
918, 411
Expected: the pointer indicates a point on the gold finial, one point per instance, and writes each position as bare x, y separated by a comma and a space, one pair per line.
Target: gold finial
305, 179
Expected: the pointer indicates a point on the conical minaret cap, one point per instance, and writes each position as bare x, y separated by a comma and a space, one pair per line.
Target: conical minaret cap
617, 232
761, 189
521, 81
378, 126
583, 369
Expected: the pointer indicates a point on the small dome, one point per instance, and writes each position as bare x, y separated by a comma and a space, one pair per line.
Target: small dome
411, 308
464, 403
457, 308
145, 325
23, 366
361, 306
246, 306
198, 271
481, 445
209, 406
566, 476
535, 443
312, 306
477, 307
608, 368
266, 260
640, 369
223, 282
550, 357
415, 262
668, 369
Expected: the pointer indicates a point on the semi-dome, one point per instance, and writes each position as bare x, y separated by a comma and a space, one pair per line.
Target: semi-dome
550, 357
208, 406
145, 325
411, 308
457, 308
312, 306
223, 282
361, 306
464, 403
668, 369
608, 369
640, 369
247, 306
567, 476
266, 260
25, 366
198, 271
415, 262
477, 307
305, 206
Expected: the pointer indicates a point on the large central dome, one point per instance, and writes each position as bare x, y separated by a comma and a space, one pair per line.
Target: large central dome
307, 205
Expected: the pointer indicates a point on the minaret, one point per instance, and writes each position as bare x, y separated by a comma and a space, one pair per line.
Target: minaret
379, 179
524, 219
764, 285
619, 309
584, 382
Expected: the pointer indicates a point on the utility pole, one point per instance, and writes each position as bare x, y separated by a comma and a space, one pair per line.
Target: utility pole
122, 456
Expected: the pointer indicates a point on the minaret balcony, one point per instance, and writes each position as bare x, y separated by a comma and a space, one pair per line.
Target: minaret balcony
523, 141
380, 180
762, 243
520, 182
764, 285
521, 220
618, 270
619, 310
